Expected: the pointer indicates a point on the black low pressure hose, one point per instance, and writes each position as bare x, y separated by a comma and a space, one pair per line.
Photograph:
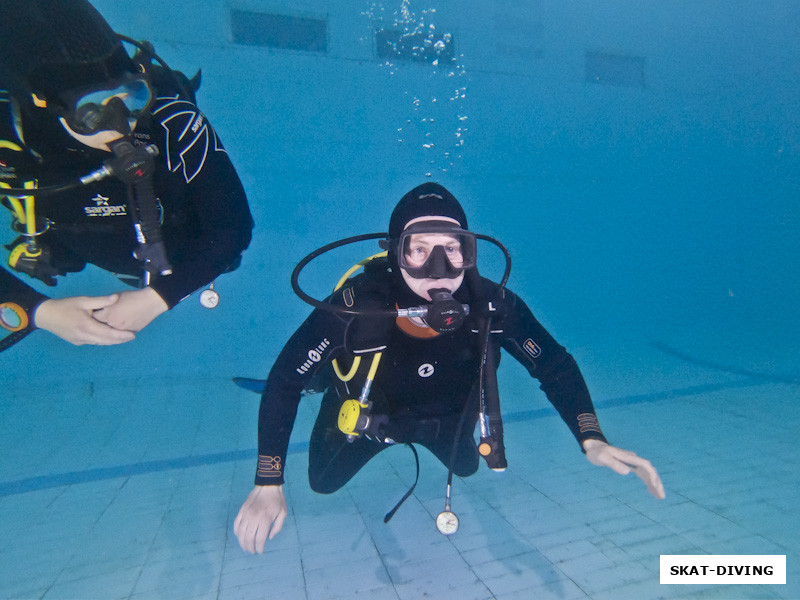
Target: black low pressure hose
491, 447
324, 305
491, 443
487, 380
43, 191
107, 169
473, 281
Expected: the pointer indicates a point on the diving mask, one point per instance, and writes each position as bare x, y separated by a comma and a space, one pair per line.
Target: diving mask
435, 250
108, 106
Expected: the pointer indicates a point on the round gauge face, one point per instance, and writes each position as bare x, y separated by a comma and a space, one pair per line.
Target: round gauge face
447, 523
209, 298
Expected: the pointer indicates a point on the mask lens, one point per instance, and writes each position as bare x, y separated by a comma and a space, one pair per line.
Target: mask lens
427, 253
109, 106
419, 247
135, 94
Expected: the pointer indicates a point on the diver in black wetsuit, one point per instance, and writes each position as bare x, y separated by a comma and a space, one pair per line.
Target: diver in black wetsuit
426, 385
170, 218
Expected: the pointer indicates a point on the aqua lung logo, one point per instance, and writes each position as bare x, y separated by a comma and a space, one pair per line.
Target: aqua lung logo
425, 370
102, 208
532, 348
314, 356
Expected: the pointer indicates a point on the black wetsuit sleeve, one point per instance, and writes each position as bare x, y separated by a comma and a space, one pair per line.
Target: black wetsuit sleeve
20, 297
311, 347
549, 362
214, 208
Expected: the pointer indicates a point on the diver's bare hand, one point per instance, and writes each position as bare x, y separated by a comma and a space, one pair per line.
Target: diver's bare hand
72, 319
260, 518
133, 311
623, 462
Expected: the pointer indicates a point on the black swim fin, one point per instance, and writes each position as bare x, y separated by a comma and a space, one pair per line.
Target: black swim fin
253, 385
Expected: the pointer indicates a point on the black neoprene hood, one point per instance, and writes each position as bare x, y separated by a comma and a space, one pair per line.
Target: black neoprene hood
426, 200
56, 45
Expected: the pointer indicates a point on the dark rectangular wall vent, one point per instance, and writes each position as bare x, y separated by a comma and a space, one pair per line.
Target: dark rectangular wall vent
284, 32
414, 47
615, 69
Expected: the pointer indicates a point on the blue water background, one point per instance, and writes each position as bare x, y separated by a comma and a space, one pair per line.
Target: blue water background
667, 211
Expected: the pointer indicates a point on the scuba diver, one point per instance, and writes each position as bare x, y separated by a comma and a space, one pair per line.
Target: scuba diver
105, 159
407, 351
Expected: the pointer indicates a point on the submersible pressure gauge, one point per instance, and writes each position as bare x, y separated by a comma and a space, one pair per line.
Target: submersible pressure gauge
447, 522
209, 298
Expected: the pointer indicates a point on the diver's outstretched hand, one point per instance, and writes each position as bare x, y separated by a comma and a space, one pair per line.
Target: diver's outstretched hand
72, 319
261, 517
133, 311
623, 462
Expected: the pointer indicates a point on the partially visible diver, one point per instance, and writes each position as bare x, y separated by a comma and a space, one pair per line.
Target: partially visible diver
121, 170
408, 352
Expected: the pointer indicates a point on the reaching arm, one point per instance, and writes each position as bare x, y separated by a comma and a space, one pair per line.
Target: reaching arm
262, 515
549, 362
563, 383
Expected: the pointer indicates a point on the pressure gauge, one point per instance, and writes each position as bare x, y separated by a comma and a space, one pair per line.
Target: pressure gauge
209, 298
447, 522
